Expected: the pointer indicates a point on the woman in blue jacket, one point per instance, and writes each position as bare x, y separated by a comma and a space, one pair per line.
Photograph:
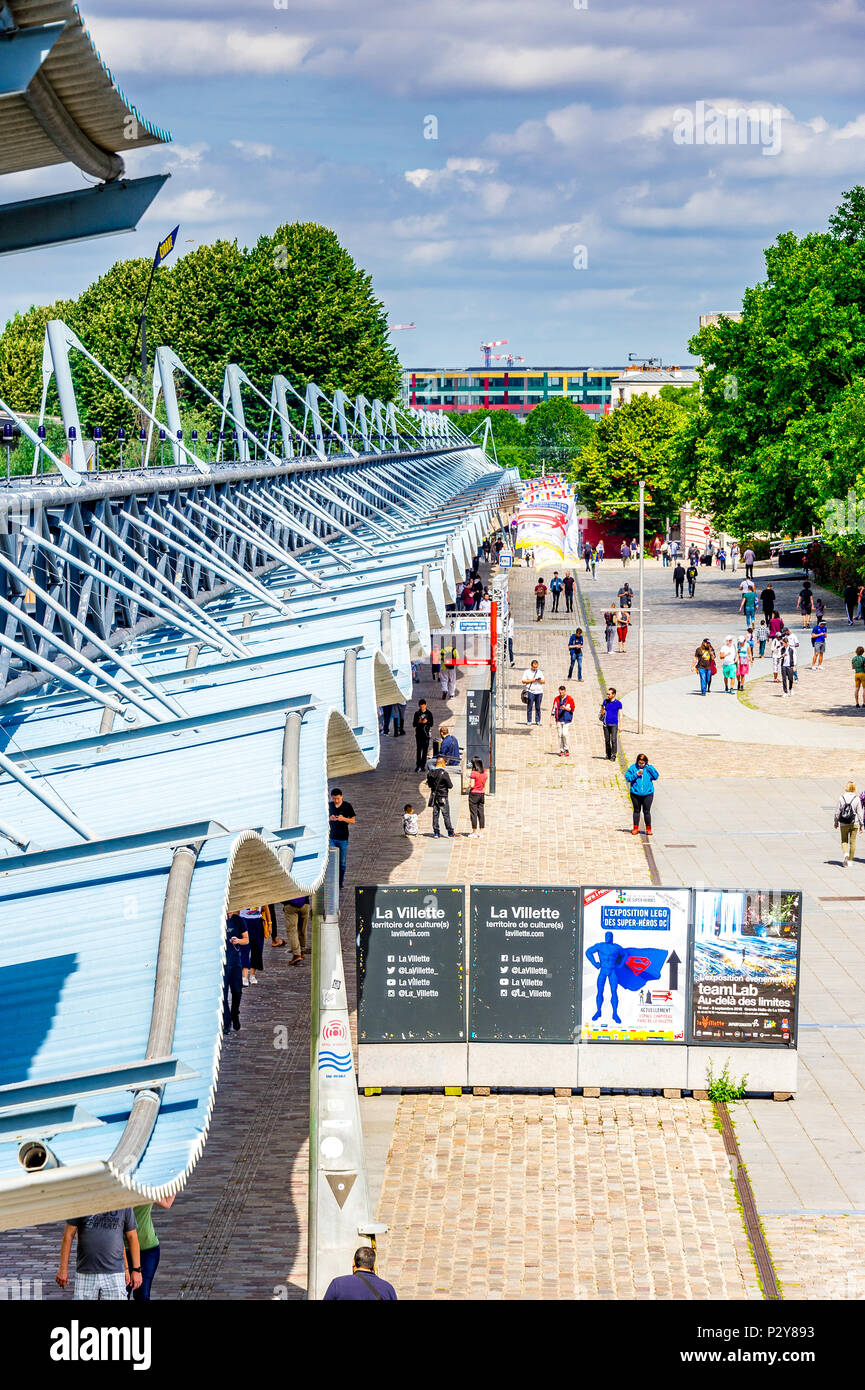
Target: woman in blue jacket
641, 778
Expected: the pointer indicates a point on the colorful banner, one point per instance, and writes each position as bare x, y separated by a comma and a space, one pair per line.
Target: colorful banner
746, 967
635, 964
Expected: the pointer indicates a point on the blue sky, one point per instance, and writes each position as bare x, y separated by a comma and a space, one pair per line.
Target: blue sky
556, 130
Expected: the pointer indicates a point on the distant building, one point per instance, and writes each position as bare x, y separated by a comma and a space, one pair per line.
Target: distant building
709, 320
517, 389
648, 382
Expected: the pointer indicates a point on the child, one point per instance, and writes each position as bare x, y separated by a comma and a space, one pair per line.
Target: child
751, 641
409, 821
762, 636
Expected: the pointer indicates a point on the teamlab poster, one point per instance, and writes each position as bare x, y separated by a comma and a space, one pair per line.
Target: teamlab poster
634, 964
746, 967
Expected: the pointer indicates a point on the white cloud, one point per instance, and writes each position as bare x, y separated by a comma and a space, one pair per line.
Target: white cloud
199, 205
253, 149
454, 170
196, 48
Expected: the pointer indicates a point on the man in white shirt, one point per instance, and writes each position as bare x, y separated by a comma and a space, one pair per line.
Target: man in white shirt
533, 685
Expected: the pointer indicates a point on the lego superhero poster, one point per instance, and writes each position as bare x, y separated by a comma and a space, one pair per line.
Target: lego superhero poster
746, 966
634, 964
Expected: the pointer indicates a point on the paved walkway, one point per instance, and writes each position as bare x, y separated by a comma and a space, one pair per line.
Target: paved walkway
758, 811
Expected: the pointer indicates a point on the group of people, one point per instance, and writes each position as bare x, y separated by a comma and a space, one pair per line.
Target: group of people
247, 930
116, 1254
558, 586
617, 618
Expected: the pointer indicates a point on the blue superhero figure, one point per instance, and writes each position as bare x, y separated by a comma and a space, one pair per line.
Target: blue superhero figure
606, 957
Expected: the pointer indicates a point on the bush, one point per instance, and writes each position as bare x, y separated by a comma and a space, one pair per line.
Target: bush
723, 1087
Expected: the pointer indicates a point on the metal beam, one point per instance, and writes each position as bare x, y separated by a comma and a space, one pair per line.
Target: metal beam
22, 53
88, 212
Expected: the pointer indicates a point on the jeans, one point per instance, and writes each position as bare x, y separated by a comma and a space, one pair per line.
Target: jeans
398, 720
556, 598
705, 677
786, 678
749, 571
476, 810
386, 713
611, 740
691, 587
534, 704
232, 993
665, 560
342, 846
576, 660
539, 606
644, 804
723, 562
511, 650
442, 808
680, 588
569, 601
149, 1263
421, 743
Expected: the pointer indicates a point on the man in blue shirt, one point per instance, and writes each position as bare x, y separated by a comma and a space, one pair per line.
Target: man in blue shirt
449, 748
575, 652
610, 707
818, 642
363, 1284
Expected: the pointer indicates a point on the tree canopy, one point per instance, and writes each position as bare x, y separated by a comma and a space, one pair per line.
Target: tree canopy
294, 303
635, 441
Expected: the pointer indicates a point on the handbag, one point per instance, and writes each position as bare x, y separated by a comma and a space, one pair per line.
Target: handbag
524, 695
713, 670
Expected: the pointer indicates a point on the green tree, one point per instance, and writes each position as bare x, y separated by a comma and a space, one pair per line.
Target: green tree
557, 431
847, 223
633, 442
295, 303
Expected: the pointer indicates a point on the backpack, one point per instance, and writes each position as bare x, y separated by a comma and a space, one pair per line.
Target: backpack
846, 815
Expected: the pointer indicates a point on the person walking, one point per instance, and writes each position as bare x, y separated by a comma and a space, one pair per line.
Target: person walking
596, 559
691, 576
556, 587
704, 659
533, 685
561, 715
148, 1246
722, 558
777, 649
818, 642
540, 599
99, 1256
296, 915
422, 723
398, 720
788, 667
625, 595
477, 797
575, 652
743, 661
236, 939
440, 784
509, 631
776, 626
748, 558
623, 622
849, 820
609, 717
727, 658
600, 552
767, 598
448, 674
340, 815
641, 777
363, 1284
625, 553
851, 595
762, 636
679, 579
805, 603
793, 640
568, 586
734, 556
253, 920
665, 554
587, 556
858, 664
609, 628
749, 605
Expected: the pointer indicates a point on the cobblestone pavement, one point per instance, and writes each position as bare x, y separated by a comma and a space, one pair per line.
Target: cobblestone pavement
743, 815
535, 1197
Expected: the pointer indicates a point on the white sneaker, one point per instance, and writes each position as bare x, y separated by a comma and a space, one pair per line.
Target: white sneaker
253, 980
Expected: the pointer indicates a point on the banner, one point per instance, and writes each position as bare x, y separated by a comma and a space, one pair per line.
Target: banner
634, 964
745, 967
543, 523
523, 957
410, 964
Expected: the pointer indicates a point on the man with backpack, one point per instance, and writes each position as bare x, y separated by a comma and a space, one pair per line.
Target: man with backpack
540, 598
561, 715
849, 820
556, 587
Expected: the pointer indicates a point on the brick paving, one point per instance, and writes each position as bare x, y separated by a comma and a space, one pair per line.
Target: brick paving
538, 1197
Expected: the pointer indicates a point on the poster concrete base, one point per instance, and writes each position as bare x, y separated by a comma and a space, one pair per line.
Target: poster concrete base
412, 1064
529, 1066
767, 1068
625, 1065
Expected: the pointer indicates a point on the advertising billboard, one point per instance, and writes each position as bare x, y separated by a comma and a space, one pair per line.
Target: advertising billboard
523, 963
745, 967
634, 964
410, 964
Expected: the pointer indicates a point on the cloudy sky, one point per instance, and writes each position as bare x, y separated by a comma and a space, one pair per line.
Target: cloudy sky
564, 203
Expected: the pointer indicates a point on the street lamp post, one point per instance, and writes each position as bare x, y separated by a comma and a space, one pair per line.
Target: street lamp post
640, 666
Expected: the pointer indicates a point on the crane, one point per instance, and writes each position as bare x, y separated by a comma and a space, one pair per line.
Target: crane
487, 348
397, 327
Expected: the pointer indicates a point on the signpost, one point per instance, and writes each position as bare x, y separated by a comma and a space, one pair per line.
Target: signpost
634, 964
411, 964
523, 960
745, 967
